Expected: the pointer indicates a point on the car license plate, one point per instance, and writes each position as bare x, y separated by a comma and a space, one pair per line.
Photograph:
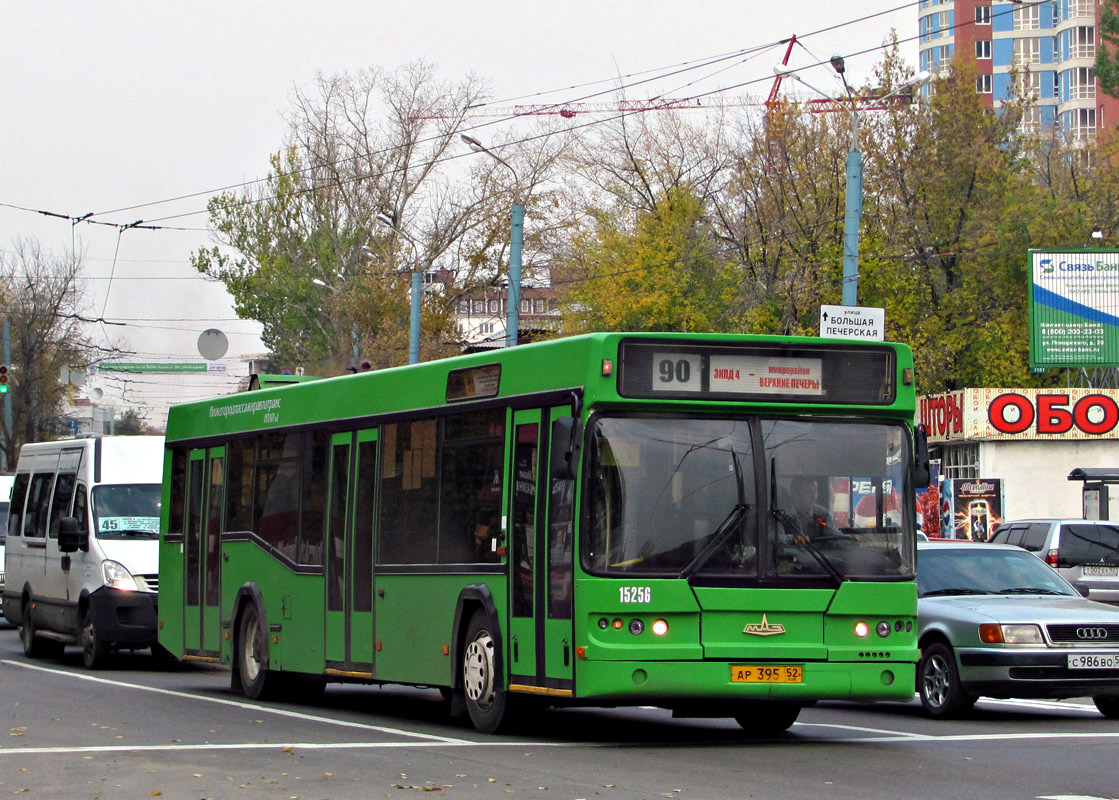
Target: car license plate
1103, 572
767, 674
1094, 661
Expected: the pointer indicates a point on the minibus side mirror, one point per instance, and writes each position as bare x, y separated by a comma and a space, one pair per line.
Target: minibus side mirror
922, 473
567, 439
70, 537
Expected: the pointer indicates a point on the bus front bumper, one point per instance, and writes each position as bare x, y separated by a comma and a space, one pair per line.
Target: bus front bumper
825, 680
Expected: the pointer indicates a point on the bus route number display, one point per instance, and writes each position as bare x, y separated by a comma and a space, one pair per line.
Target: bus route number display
738, 374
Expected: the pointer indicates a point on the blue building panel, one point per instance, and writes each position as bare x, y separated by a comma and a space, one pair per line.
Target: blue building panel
1001, 87
1002, 51
1002, 17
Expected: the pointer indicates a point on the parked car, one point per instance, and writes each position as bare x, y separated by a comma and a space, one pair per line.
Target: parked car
995, 621
1083, 551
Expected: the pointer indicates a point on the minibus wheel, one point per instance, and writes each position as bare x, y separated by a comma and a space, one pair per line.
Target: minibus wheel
36, 646
95, 650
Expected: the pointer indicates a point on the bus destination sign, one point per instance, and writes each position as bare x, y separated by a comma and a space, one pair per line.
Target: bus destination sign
747, 371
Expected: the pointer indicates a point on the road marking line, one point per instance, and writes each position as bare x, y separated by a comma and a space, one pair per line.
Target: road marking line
281, 746
899, 734
238, 704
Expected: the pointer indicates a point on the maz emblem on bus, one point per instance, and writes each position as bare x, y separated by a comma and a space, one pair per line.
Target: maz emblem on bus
764, 628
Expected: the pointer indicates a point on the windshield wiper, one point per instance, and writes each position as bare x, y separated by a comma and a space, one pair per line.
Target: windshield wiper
718, 539
959, 590
1028, 590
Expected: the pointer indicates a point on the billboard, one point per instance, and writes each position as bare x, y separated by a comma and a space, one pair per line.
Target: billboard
1074, 308
1018, 414
971, 508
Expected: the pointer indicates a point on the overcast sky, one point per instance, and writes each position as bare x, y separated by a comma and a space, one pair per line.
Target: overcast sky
118, 105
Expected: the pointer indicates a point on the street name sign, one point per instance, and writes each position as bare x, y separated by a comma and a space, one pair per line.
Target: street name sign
853, 322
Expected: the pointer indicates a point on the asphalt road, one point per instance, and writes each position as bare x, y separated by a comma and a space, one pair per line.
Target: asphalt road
142, 729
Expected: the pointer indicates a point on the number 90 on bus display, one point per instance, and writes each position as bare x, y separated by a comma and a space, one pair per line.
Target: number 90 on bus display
677, 372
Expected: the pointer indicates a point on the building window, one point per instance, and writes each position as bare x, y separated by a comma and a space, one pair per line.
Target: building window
959, 460
1081, 124
479, 306
982, 15
1031, 121
983, 49
1080, 8
1027, 50
495, 307
1082, 83
1029, 84
983, 84
1027, 17
1082, 42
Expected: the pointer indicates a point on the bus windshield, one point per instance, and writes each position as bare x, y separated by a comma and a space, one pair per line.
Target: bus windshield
126, 511
674, 497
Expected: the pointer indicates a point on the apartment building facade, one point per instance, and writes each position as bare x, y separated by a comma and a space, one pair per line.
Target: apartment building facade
1047, 49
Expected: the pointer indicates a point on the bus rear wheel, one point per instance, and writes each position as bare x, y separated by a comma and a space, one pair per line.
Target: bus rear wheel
487, 703
258, 682
765, 718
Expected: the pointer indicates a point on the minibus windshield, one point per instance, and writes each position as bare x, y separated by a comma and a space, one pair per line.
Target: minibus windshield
126, 511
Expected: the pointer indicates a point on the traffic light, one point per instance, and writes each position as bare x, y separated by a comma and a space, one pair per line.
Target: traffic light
4, 379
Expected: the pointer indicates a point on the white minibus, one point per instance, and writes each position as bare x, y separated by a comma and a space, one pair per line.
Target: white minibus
5, 494
96, 586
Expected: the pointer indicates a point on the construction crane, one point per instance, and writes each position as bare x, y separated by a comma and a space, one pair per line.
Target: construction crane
866, 100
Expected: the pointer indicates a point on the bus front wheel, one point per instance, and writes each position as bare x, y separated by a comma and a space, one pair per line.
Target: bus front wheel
487, 703
257, 680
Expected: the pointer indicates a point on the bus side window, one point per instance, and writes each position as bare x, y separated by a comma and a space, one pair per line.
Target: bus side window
15, 511
60, 505
35, 517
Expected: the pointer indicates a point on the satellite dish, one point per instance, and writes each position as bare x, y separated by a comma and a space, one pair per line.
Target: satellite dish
77, 377
212, 344
96, 394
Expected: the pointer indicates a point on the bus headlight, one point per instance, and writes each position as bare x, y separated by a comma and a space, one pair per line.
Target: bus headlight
117, 576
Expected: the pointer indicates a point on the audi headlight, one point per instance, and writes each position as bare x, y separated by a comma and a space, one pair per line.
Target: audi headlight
1011, 634
117, 576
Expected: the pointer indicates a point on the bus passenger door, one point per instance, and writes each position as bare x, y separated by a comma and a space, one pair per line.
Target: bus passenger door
349, 564
523, 668
541, 650
203, 523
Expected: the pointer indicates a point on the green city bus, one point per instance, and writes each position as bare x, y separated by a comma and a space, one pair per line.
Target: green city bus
602, 520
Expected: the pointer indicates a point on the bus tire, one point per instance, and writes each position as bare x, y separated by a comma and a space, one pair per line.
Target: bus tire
487, 702
95, 650
767, 718
36, 646
258, 682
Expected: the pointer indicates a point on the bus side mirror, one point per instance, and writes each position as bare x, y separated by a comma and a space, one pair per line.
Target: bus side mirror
70, 538
567, 439
922, 473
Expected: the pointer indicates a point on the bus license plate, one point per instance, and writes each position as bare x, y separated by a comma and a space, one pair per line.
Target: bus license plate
1094, 661
768, 674
1103, 572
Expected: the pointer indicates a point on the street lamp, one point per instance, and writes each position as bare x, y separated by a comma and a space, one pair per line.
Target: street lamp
853, 210
417, 289
516, 241
354, 333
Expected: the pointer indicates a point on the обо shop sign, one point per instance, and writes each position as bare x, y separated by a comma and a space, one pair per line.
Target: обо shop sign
1053, 413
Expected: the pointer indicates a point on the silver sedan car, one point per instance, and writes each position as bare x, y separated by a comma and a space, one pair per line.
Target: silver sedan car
996, 621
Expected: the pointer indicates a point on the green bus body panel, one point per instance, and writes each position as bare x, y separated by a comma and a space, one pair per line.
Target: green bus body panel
293, 606
415, 619
171, 591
